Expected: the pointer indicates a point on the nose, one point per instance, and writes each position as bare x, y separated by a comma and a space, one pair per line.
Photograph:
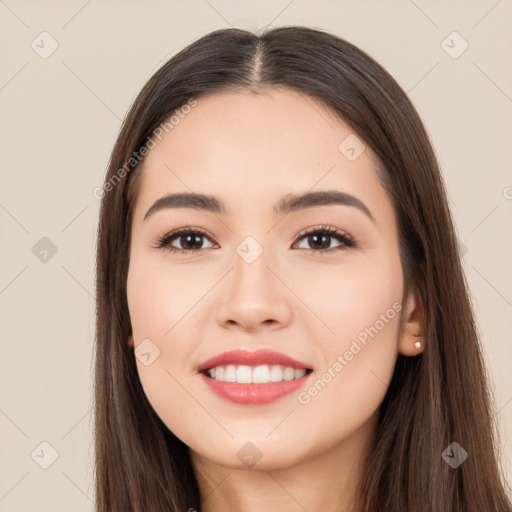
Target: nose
253, 297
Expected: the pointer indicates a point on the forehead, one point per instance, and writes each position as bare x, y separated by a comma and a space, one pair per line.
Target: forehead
249, 149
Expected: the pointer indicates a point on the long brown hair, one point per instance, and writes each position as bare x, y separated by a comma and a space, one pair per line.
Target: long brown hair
435, 399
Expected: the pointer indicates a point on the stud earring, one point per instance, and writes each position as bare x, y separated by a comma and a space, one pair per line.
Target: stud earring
418, 343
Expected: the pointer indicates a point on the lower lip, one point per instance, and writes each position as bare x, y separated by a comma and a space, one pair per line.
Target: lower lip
255, 394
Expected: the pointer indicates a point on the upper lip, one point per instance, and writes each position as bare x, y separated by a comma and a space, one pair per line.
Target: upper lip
258, 357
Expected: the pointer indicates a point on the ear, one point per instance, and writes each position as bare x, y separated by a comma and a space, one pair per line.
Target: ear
130, 341
412, 338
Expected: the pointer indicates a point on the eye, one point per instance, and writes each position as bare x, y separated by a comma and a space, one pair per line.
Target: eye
319, 239
191, 239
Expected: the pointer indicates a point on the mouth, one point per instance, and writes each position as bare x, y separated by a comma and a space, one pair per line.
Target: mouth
256, 378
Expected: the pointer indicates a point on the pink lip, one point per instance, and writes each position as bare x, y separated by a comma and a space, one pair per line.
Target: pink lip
262, 356
255, 394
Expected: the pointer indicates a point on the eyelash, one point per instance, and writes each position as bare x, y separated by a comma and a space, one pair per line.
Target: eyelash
343, 237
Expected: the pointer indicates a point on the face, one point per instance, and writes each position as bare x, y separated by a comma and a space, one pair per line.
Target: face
319, 282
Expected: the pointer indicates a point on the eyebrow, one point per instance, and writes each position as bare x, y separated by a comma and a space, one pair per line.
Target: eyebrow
287, 204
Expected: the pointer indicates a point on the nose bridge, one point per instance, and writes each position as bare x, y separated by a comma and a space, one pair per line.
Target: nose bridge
251, 263
252, 294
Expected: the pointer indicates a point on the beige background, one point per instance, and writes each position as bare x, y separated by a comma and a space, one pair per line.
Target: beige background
60, 118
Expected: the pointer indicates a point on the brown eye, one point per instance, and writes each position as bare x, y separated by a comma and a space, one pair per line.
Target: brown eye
191, 240
320, 239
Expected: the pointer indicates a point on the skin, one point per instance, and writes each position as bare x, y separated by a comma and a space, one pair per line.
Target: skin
249, 150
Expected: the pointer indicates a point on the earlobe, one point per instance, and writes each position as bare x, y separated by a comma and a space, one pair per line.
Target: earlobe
412, 337
130, 341
411, 345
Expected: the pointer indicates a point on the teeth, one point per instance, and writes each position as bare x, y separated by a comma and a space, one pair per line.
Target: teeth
261, 374
230, 375
276, 374
297, 374
258, 375
288, 374
244, 374
218, 373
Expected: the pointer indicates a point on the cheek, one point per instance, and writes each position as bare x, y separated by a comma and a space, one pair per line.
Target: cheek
161, 306
361, 306
161, 300
358, 360
351, 295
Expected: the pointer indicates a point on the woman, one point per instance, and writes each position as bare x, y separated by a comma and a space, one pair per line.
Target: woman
320, 351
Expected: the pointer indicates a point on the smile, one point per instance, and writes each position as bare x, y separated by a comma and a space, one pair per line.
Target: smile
253, 377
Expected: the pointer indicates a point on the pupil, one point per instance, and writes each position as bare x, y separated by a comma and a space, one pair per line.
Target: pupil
193, 237
315, 237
